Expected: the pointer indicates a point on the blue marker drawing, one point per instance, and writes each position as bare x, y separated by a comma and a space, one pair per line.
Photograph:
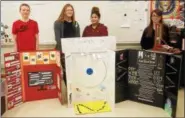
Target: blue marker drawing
89, 71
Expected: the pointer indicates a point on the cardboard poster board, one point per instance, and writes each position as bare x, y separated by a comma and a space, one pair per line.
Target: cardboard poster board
3, 100
92, 82
153, 79
32, 76
90, 71
13, 80
145, 77
121, 79
173, 68
40, 71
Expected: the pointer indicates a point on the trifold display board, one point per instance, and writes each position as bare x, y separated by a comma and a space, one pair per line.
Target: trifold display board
3, 102
13, 89
90, 73
148, 77
32, 76
39, 74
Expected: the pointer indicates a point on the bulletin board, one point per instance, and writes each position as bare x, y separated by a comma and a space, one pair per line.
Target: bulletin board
125, 19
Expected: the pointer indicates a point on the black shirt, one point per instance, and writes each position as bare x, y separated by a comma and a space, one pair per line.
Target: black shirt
69, 30
148, 42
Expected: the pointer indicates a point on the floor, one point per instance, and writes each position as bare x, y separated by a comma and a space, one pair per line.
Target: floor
53, 108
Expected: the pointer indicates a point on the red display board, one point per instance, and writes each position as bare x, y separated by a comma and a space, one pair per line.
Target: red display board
40, 82
13, 80
39, 74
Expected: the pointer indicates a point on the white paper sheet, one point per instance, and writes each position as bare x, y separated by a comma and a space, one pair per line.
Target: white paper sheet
88, 44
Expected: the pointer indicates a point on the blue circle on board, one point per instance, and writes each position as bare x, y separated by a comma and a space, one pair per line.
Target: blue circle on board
89, 71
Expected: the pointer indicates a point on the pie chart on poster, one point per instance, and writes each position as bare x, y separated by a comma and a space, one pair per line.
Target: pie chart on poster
88, 71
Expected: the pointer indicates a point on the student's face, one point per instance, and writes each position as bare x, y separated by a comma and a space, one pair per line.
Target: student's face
69, 12
156, 18
25, 11
95, 19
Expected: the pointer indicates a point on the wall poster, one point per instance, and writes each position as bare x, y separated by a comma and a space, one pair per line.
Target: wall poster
173, 11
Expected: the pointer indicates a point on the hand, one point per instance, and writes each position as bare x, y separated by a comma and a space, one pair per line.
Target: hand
176, 51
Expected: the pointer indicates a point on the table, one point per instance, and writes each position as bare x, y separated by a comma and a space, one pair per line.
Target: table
53, 108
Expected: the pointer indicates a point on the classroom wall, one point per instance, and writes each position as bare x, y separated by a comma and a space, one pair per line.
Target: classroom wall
46, 12
125, 19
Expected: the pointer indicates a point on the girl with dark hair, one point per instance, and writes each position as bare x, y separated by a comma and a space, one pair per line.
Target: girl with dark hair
148, 37
96, 28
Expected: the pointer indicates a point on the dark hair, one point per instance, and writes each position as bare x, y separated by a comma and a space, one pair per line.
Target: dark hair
95, 10
150, 26
23, 4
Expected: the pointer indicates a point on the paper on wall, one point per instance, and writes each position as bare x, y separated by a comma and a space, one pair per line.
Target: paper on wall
126, 22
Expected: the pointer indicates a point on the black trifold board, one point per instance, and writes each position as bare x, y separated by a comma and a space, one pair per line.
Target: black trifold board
121, 75
148, 77
3, 105
183, 69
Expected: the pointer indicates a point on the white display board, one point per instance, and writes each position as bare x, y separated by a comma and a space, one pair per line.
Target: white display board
91, 77
88, 44
124, 19
90, 69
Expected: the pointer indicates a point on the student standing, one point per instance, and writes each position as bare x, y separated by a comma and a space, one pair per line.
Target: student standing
96, 28
25, 31
148, 37
65, 27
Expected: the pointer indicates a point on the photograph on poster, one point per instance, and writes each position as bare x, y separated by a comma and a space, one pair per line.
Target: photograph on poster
26, 57
52, 55
33, 59
39, 56
46, 59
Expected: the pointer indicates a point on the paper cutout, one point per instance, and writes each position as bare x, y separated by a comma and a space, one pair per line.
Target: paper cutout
26, 57
33, 60
91, 107
52, 55
46, 59
126, 21
39, 56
